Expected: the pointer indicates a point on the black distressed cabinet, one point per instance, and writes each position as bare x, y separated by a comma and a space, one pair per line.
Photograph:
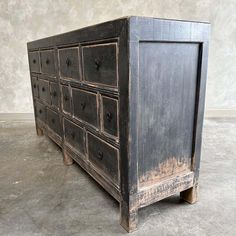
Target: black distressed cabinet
125, 100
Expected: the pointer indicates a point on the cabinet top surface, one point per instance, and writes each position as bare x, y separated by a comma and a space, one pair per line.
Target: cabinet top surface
107, 29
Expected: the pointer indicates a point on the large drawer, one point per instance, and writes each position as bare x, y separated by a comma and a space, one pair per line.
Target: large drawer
85, 106
54, 122
48, 62
104, 157
69, 63
100, 64
74, 136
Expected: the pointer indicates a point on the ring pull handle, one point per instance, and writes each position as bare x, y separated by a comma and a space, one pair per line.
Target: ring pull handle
53, 120
43, 89
34, 85
40, 111
68, 62
97, 63
54, 94
66, 98
83, 105
100, 155
109, 116
73, 135
34, 61
47, 61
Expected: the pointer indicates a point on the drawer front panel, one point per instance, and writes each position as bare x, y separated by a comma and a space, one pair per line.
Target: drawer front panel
35, 87
100, 64
44, 92
69, 63
53, 121
85, 106
34, 61
110, 108
48, 62
103, 156
74, 135
40, 111
55, 94
66, 100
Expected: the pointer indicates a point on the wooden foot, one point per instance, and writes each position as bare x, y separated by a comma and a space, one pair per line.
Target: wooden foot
39, 131
67, 159
128, 219
190, 195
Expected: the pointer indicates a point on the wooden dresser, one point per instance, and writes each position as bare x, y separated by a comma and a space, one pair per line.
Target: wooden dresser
125, 100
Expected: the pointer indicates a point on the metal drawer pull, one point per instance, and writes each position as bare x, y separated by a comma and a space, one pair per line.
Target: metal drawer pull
68, 62
34, 85
66, 98
47, 61
53, 121
34, 61
100, 155
109, 116
54, 94
83, 105
43, 89
40, 111
97, 63
73, 135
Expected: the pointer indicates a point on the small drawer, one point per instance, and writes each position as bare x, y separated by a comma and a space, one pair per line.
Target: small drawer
53, 122
103, 156
44, 92
35, 87
109, 114
100, 64
34, 61
69, 63
55, 94
85, 106
48, 62
66, 100
74, 136
40, 111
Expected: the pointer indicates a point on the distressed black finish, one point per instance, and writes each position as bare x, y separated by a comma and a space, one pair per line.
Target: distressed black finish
125, 100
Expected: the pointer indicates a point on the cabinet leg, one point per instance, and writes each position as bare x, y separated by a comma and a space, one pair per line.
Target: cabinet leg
39, 131
128, 218
190, 195
67, 159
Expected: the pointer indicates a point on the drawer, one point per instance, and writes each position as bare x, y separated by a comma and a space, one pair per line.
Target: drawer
44, 92
85, 106
55, 94
35, 87
66, 100
53, 121
40, 111
69, 63
100, 64
34, 61
109, 114
48, 62
104, 157
74, 136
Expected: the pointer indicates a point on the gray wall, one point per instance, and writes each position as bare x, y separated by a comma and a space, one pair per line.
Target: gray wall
22, 21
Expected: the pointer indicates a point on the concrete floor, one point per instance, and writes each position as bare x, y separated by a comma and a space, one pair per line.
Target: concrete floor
41, 196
